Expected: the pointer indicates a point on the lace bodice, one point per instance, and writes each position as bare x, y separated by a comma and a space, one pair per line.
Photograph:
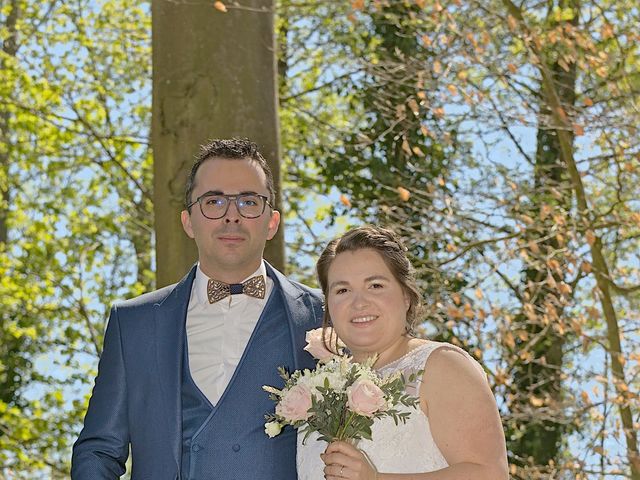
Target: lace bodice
403, 448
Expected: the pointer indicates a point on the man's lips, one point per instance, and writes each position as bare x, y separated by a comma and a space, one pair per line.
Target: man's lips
231, 238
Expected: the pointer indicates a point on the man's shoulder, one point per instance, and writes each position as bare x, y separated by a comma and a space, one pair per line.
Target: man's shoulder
314, 292
146, 299
291, 285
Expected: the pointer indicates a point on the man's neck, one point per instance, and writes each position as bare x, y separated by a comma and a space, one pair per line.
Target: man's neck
234, 276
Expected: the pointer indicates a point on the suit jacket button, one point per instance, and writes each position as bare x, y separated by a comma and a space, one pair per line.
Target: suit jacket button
196, 447
236, 448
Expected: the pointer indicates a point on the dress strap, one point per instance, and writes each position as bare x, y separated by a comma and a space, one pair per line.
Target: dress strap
415, 360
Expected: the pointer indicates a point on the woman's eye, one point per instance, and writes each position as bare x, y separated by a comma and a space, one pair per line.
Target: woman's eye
377, 285
340, 291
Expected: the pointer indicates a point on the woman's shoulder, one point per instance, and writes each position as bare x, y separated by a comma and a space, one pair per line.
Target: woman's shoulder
451, 362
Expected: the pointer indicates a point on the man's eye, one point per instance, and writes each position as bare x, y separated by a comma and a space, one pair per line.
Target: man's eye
214, 201
340, 291
377, 285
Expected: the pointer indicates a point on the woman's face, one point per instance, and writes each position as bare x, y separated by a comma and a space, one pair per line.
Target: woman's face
367, 305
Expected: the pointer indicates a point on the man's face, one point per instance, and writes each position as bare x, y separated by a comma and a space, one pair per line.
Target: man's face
230, 248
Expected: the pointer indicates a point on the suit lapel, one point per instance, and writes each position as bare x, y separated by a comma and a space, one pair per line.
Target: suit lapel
300, 313
170, 316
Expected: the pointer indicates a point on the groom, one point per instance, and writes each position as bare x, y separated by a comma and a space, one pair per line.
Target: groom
181, 374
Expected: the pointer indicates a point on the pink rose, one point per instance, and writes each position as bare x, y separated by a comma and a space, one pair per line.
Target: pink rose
315, 345
365, 397
295, 403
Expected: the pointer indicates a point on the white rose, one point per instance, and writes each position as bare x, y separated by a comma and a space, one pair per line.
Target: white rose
272, 428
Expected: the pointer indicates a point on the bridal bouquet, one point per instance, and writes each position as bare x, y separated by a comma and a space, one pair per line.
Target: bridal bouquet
339, 399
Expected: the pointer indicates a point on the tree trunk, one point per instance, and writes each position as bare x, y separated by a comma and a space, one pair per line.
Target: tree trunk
539, 439
11, 364
214, 76
9, 48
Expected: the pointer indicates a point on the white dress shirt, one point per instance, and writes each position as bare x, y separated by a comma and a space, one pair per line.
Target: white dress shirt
217, 333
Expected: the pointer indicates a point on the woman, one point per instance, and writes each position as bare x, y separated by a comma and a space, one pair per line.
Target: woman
372, 303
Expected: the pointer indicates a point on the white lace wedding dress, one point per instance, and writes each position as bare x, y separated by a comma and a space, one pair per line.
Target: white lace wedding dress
402, 448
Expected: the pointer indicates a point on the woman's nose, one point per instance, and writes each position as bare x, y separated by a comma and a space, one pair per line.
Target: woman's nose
360, 299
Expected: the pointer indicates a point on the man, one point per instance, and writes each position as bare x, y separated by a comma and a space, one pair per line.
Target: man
180, 377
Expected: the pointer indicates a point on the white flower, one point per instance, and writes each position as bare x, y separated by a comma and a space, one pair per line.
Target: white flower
272, 428
330, 372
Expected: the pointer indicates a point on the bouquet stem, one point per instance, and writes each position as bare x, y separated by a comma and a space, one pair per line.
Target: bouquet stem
342, 430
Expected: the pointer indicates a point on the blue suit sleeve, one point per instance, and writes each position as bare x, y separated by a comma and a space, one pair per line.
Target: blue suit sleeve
103, 445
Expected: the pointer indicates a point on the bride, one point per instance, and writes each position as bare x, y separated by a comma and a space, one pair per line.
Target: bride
372, 303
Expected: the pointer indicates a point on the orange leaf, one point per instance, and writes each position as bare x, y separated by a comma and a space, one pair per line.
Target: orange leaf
406, 147
561, 113
438, 112
536, 401
512, 22
416, 150
468, 311
345, 200
508, 340
403, 193
587, 102
479, 294
527, 219
564, 288
452, 89
426, 40
453, 312
585, 397
413, 105
512, 68
357, 4
578, 130
591, 237
220, 6
606, 31
437, 66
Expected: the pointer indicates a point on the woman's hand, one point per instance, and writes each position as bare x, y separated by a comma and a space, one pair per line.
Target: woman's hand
343, 460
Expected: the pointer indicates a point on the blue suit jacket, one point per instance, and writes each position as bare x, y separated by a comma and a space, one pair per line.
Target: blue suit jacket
136, 400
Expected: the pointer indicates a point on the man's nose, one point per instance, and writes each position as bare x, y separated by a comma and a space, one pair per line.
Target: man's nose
232, 215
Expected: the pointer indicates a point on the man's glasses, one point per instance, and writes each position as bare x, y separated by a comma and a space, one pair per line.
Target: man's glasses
216, 205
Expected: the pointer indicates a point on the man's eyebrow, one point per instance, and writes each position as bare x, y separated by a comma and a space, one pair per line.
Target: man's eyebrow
220, 192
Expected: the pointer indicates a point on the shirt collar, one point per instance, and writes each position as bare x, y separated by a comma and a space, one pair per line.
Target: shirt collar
201, 281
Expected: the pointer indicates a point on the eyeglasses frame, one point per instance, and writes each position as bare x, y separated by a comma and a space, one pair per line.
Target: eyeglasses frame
229, 199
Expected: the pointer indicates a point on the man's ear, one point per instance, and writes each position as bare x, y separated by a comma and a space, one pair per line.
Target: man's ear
185, 218
274, 222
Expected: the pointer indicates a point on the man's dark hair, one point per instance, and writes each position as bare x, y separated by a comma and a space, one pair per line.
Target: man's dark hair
229, 148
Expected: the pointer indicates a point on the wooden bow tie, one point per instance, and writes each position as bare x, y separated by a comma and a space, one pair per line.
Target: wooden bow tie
254, 287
